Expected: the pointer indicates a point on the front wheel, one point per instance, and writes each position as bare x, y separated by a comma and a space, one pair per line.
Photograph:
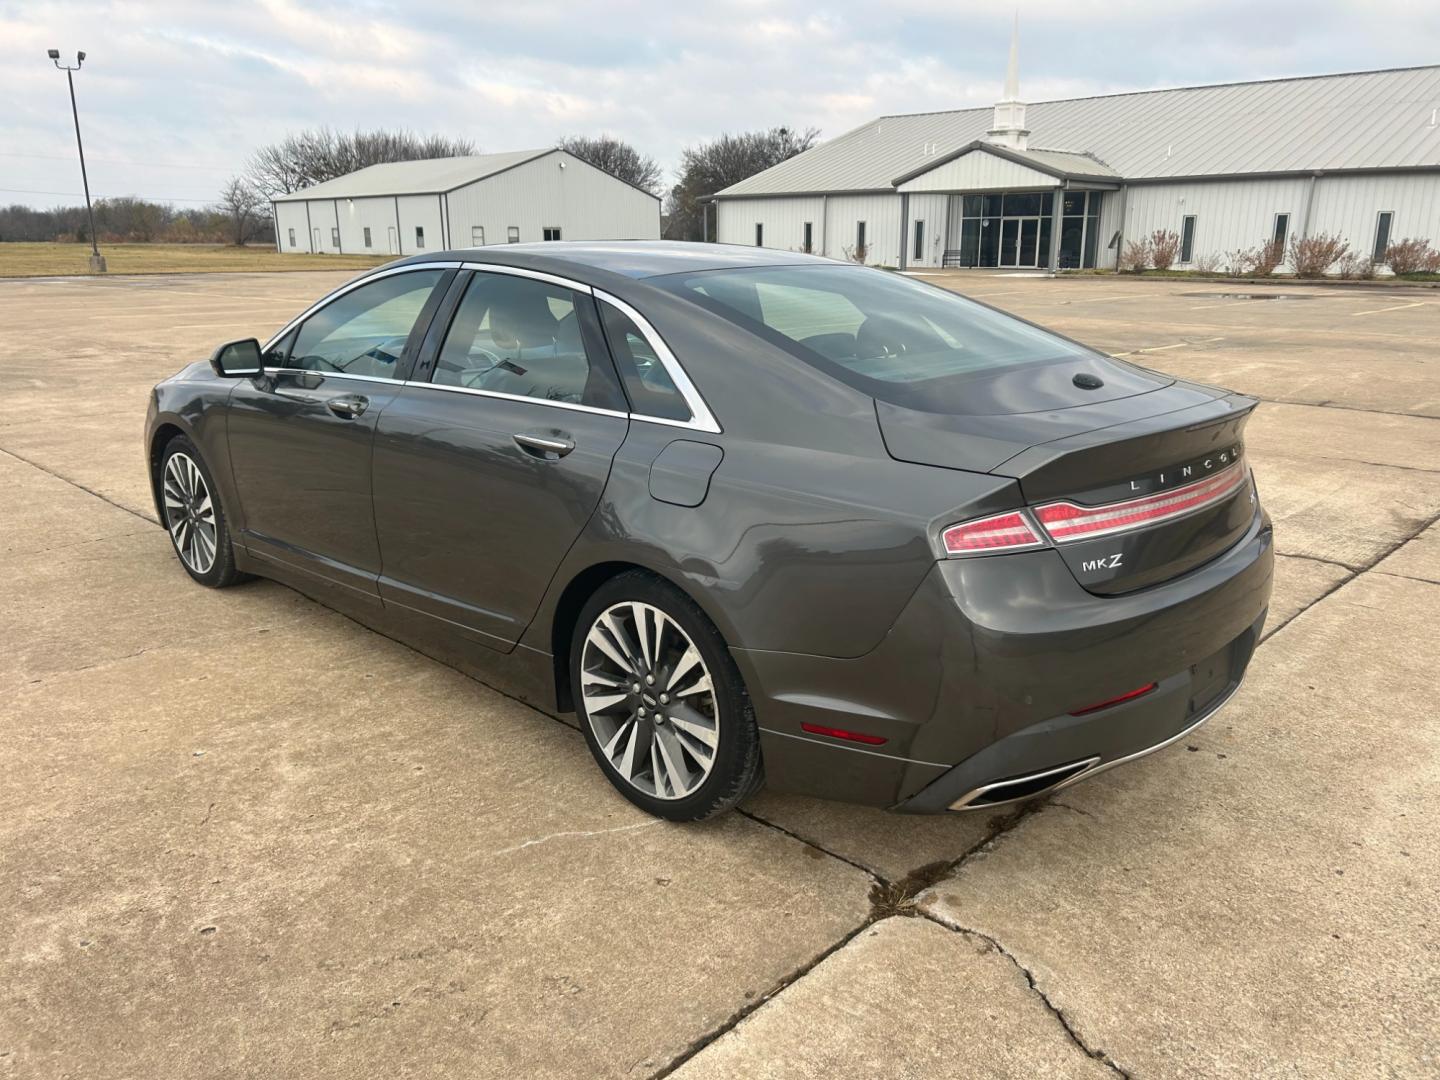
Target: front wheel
662, 705
194, 517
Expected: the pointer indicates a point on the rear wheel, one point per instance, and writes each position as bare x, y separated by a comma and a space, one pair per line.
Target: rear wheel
194, 517
661, 702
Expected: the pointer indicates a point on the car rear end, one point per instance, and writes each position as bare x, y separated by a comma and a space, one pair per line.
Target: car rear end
1104, 600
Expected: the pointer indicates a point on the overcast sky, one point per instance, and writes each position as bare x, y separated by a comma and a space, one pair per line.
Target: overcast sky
175, 93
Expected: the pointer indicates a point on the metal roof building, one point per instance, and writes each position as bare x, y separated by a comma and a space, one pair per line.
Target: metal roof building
405, 207
1065, 184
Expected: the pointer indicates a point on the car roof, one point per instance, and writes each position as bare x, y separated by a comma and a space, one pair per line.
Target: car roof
630, 258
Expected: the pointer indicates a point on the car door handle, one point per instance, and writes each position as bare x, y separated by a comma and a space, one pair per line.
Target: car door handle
348, 407
544, 446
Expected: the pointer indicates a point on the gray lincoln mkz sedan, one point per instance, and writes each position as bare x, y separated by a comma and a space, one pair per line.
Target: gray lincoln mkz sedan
750, 514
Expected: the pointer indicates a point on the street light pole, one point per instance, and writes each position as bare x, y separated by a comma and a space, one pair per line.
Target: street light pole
97, 261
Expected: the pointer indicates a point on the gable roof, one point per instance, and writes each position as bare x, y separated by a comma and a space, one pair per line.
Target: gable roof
429, 176
1065, 164
1360, 120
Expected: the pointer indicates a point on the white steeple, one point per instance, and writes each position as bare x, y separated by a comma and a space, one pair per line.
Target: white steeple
1009, 129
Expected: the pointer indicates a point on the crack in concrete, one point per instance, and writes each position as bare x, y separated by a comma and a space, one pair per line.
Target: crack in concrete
82, 487
1092, 1052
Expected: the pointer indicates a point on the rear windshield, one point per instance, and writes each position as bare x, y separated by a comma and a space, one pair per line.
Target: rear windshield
891, 337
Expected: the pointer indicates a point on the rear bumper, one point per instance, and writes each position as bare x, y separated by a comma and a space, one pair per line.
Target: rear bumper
1054, 754
977, 679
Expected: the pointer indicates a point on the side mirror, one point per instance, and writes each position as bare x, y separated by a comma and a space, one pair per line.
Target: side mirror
238, 359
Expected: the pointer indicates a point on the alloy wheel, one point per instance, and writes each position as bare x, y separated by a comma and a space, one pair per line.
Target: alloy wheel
649, 700
190, 513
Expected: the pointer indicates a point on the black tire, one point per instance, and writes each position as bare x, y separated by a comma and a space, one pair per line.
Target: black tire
735, 769
221, 571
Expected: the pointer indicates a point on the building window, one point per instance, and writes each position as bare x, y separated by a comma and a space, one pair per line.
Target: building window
860, 252
550, 232
919, 240
419, 236
292, 237
367, 236
335, 237
512, 234
1383, 226
1187, 238
1282, 229
477, 235
807, 245
759, 235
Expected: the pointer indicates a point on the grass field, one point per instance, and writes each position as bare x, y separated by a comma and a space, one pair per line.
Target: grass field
44, 260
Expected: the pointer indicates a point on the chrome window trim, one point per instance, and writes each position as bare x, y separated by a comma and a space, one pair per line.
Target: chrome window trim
350, 286
331, 375
537, 275
701, 418
477, 392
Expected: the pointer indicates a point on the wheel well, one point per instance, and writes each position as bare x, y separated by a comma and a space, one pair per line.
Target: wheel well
161, 439
567, 611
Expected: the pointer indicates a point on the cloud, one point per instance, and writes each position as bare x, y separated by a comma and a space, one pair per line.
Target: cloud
176, 94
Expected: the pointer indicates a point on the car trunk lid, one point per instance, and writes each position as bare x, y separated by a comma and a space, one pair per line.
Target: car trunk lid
1133, 490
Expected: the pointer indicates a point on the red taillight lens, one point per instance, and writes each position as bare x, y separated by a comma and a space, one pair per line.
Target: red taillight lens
1131, 696
841, 733
1065, 521
1003, 532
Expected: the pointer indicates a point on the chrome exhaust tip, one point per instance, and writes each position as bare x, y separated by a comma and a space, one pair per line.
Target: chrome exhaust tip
1015, 789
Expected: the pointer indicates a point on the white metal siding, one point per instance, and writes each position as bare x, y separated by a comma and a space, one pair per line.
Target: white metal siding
1229, 215
581, 200
784, 221
934, 211
835, 221
377, 214
291, 215
1347, 207
421, 211
979, 171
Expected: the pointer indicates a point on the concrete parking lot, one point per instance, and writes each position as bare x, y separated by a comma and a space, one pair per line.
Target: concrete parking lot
242, 836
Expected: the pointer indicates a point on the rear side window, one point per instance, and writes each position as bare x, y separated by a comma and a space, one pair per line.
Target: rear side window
647, 383
887, 335
364, 332
526, 338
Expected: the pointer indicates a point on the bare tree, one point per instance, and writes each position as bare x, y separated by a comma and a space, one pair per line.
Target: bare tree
712, 166
319, 154
616, 157
243, 208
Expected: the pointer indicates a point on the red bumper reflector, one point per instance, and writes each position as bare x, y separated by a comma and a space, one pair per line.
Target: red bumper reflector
839, 733
1131, 696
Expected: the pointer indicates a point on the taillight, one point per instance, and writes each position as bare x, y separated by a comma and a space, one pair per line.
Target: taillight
1010, 531
1065, 521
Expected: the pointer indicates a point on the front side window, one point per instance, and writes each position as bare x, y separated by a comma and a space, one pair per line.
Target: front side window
419, 236
889, 336
364, 332
525, 338
647, 383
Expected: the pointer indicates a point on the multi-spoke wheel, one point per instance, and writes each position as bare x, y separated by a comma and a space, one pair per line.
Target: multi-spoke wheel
662, 703
194, 517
